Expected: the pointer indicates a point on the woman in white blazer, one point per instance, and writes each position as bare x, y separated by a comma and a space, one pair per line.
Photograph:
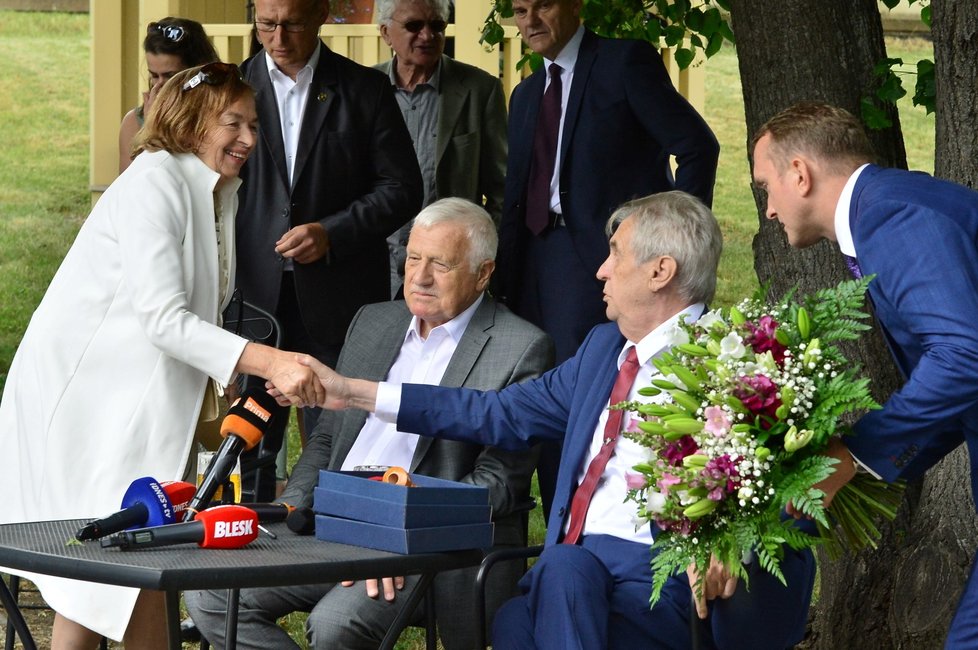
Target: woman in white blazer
109, 378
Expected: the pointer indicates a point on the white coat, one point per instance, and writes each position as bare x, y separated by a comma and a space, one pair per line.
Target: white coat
108, 380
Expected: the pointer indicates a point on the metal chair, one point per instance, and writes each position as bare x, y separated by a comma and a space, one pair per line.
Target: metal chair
16, 625
257, 325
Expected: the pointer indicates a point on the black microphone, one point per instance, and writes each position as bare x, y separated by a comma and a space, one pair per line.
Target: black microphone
268, 513
145, 503
301, 521
242, 428
227, 526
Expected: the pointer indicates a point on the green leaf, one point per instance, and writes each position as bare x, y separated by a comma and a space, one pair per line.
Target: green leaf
684, 56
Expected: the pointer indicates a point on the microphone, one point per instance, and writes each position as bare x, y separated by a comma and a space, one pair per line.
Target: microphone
242, 428
301, 521
226, 526
268, 513
145, 503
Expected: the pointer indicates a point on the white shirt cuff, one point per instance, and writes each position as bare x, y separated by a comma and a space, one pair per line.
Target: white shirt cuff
388, 401
863, 467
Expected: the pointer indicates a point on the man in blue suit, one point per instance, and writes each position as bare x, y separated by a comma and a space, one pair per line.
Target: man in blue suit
919, 236
601, 134
592, 590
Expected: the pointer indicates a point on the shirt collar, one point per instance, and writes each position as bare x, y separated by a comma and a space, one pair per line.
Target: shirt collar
843, 229
310, 64
432, 81
661, 337
455, 328
568, 56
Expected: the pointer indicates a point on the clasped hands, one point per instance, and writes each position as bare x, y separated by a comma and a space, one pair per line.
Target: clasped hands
332, 391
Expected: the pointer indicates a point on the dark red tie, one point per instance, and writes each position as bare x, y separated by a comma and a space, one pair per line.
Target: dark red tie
612, 429
544, 155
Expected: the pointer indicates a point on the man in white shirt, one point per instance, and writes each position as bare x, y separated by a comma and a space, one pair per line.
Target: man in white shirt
591, 586
447, 332
332, 175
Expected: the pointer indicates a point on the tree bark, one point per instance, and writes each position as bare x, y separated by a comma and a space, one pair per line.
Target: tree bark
902, 595
955, 29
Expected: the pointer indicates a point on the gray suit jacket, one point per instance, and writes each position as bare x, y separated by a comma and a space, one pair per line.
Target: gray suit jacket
497, 349
471, 141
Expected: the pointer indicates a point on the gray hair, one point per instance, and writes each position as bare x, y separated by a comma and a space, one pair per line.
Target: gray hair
676, 224
480, 229
384, 9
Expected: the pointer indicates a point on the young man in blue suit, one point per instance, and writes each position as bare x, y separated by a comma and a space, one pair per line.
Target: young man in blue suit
591, 586
919, 236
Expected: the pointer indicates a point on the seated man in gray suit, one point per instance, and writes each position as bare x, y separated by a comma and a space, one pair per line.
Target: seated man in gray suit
455, 113
447, 332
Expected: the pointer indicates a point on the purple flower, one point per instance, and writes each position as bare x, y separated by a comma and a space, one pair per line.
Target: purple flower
761, 338
760, 395
720, 476
674, 452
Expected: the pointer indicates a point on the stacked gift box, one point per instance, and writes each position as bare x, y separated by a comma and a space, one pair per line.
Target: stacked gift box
432, 516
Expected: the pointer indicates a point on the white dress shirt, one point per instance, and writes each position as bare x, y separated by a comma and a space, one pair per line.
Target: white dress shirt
609, 512
567, 59
420, 361
843, 230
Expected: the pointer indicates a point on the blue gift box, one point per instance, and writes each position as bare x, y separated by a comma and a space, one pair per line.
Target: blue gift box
435, 515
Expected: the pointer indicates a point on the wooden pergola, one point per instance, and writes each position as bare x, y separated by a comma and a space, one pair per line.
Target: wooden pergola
118, 63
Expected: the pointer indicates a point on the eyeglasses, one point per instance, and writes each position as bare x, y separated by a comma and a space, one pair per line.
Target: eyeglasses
269, 26
213, 74
414, 26
173, 33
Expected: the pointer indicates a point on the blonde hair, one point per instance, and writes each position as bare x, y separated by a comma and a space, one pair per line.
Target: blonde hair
178, 119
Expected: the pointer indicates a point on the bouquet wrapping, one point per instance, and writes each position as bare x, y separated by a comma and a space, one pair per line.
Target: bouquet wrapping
737, 427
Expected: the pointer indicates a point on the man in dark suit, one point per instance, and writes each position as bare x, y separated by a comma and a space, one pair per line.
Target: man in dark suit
620, 121
919, 236
332, 175
591, 586
449, 333
455, 112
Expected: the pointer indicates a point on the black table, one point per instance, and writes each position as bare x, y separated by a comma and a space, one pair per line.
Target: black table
289, 559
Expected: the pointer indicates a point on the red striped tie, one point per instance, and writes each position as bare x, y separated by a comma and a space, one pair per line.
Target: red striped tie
612, 429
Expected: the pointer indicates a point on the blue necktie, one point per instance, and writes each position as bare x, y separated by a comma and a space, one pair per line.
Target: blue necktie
853, 266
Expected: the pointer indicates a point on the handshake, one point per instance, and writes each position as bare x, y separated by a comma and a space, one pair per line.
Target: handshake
318, 385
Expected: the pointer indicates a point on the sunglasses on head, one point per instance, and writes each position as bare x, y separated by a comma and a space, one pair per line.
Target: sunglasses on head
213, 74
436, 26
173, 33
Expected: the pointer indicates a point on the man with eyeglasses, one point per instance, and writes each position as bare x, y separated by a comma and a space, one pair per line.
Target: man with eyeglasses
455, 113
332, 175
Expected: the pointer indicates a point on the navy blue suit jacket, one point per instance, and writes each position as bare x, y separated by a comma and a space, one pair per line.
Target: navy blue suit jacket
919, 235
623, 120
563, 404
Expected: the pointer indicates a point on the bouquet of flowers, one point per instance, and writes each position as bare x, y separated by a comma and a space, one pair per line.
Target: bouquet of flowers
737, 427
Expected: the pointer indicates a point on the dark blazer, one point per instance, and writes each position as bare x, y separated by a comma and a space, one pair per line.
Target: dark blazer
355, 173
623, 120
471, 139
919, 235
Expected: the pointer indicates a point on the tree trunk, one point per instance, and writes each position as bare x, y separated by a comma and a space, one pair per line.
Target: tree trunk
955, 29
901, 595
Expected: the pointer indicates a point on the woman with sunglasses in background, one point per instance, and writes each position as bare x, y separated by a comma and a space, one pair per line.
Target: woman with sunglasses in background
171, 45
109, 379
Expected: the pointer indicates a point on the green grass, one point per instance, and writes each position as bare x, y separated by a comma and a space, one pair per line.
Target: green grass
44, 195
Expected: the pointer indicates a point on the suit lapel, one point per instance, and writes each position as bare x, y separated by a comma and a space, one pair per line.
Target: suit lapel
451, 97
467, 353
523, 125
322, 94
266, 105
582, 71
387, 335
